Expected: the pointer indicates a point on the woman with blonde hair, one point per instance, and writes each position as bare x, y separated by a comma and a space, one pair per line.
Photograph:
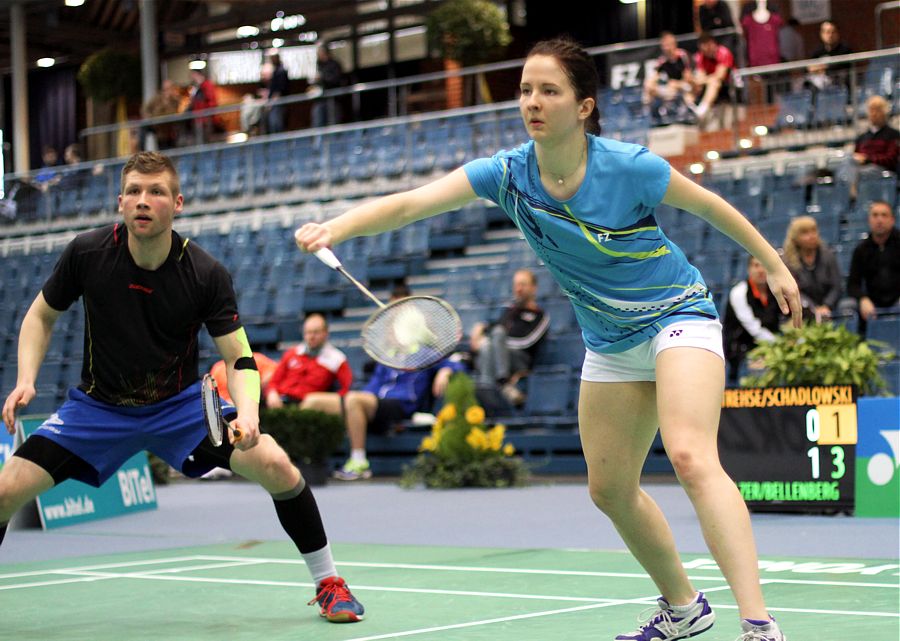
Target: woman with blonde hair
813, 265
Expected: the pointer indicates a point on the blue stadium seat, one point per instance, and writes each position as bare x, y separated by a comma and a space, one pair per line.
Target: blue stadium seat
831, 198
307, 165
787, 202
550, 392
882, 186
794, 110
831, 106
885, 328
281, 159
563, 349
561, 313
890, 372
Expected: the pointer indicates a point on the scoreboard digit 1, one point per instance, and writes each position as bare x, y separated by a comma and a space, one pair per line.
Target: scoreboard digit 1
791, 449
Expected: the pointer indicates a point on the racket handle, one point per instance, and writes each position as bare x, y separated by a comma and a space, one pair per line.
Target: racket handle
327, 256
236, 434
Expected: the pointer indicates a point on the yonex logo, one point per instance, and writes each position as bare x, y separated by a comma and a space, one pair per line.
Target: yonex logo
882, 466
675, 333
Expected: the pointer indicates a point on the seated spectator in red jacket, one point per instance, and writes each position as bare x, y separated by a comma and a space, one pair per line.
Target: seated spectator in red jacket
880, 143
315, 365
877, 149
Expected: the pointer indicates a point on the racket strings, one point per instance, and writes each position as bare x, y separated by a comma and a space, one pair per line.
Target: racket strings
412, 333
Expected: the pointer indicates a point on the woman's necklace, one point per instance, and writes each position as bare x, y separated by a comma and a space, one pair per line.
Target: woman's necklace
561, 178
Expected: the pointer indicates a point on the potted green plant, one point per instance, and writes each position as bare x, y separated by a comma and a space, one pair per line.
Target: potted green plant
461, 451
820, 354
463, 33
112, 76
309, 437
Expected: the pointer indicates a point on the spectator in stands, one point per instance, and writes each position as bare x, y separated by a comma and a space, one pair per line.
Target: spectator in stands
653, 358
504, 351
390, 397
165, 102
315, 365
876, 149
48, 175
752, 316
822, 75
671, 79
790, 42
277, 88
265, 365
874, 279
203, 96
329, 75
72, 154
714, 14
814, 266
880, 143
712, 74
761, 27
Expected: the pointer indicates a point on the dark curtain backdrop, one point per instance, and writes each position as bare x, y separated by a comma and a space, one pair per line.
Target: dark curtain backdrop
52, 118
600, 22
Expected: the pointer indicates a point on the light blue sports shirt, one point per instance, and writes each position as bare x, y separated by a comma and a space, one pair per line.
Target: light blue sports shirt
625, 278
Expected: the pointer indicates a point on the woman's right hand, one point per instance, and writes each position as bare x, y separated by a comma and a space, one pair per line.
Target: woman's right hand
312, 237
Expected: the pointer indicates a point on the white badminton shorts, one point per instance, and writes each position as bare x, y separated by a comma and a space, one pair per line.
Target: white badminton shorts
639, 363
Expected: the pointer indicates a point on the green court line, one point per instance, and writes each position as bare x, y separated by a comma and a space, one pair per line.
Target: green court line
417, 592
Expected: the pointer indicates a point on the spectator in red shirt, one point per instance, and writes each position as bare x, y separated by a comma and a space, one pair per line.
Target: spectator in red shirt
876, 149
712, 73
313, 366
878, 145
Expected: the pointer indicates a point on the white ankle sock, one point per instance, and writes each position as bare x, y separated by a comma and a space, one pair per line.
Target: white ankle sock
320, 564
358, 455
681, 609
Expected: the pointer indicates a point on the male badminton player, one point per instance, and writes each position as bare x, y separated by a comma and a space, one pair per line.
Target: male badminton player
585, 205
146, 291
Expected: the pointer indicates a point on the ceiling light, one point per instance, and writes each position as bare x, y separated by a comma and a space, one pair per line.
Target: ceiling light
197, 65
46, 62
697, 168
277, 42
761, 130
745, 143
712, 154
74, 3
247, 31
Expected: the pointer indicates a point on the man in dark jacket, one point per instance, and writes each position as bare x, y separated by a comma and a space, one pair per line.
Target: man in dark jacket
874, 278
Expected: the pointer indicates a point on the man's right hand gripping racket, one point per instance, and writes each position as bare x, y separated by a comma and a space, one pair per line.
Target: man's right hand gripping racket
212, 412
409, 334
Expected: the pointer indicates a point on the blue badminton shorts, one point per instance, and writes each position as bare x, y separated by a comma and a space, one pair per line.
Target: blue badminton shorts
108, 435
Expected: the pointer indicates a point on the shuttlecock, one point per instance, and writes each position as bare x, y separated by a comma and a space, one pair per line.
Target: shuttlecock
411, 330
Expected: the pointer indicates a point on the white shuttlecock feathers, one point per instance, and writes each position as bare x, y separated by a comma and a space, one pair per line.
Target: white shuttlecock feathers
411, 330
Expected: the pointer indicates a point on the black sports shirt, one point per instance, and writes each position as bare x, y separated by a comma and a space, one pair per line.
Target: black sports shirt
140, 335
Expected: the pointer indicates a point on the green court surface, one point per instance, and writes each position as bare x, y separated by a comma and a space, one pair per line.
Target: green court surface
258, 591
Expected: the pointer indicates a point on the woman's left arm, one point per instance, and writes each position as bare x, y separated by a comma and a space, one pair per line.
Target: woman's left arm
691, 197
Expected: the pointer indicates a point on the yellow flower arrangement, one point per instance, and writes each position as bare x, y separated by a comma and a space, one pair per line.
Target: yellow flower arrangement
461, 450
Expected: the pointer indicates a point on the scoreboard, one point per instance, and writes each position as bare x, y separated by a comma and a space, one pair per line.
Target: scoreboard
791, 449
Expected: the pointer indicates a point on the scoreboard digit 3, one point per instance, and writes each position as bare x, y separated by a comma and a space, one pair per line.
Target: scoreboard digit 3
791, 449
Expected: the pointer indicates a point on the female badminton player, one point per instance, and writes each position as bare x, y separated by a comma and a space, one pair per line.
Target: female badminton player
585, 205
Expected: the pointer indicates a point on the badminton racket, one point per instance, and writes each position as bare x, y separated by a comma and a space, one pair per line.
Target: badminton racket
409, 334
212, 412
